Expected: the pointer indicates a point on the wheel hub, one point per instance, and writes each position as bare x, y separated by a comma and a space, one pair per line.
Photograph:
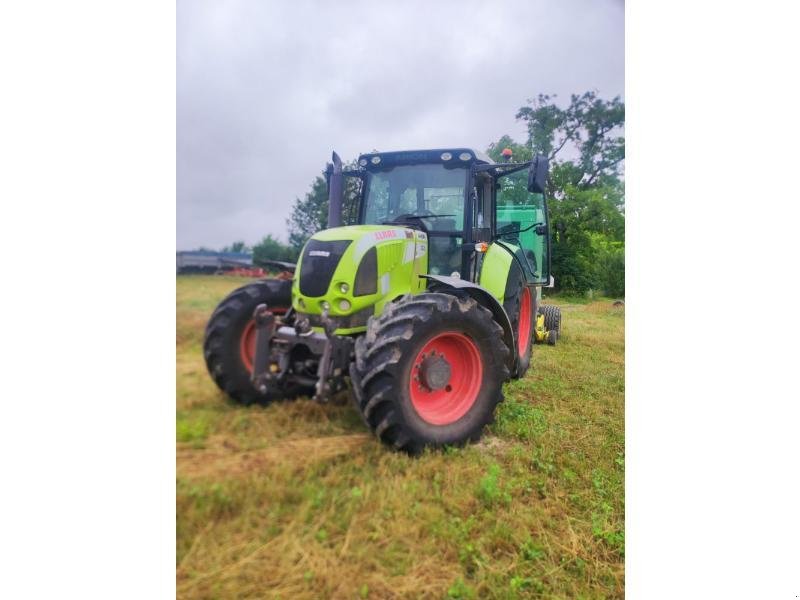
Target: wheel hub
434, 371
446, 378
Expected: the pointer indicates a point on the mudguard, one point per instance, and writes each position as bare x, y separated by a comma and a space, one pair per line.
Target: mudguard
484, 298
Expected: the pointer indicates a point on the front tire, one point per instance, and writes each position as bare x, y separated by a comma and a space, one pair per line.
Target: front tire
429, 371
229, 343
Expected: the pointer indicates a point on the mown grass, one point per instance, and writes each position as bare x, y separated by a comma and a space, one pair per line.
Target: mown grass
295, 500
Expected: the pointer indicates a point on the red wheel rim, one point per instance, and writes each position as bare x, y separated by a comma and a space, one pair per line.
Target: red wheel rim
247, 343
453, 399
525, 310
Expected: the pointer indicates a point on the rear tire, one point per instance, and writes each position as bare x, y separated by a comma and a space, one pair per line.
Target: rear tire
229, 341
519, 305
429, 371
552, 317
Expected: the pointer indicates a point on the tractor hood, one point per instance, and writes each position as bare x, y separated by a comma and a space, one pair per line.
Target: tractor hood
353, 271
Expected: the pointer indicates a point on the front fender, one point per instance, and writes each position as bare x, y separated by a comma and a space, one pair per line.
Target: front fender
483, 297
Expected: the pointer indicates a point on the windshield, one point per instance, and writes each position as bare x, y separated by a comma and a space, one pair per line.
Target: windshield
429, 191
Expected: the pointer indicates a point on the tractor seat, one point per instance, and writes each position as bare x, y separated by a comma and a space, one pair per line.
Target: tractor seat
444, 255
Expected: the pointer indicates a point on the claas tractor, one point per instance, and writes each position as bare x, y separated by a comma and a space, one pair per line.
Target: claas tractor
423, 309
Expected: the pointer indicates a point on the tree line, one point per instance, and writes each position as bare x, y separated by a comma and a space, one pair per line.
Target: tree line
586, 192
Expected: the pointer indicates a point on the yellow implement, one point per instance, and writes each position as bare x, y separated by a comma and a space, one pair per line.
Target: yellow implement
548, 325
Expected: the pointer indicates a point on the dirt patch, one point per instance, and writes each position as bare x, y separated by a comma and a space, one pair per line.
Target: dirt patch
492, 444
222, 458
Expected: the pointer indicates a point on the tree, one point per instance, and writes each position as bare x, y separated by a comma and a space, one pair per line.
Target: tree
236, 247
270, 248
589, 125
586, 192
310, 214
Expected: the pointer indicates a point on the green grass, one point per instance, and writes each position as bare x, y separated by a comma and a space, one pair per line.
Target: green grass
295, 500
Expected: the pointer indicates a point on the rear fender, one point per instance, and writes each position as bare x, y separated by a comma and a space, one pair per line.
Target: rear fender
484, 298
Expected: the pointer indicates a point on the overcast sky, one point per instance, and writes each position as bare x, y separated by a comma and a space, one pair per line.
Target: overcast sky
266, 89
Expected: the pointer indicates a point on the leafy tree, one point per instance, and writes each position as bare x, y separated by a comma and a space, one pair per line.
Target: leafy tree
609, 264
589, 126
236, 247
270, 248
310, 214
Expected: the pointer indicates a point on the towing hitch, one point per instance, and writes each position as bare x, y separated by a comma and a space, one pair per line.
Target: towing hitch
275, 345
334, 362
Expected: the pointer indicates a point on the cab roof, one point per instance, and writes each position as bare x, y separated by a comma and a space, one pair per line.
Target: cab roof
378, 160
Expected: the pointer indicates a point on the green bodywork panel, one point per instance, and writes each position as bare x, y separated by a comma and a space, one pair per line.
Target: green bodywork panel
494, 271
402, 257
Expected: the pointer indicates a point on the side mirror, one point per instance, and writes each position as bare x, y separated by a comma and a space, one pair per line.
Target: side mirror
537, 174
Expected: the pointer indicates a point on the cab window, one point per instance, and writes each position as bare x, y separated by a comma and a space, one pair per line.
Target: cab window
520, 218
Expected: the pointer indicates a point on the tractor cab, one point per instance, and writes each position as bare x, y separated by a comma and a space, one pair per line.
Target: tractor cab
425, 190
466, 204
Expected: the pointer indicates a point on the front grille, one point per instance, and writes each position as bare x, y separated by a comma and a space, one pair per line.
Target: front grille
317, 265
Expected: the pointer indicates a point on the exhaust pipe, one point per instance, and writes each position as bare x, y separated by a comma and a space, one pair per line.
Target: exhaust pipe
335, 191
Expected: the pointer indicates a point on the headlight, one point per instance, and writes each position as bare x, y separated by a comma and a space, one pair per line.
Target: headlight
344, 305
344, 288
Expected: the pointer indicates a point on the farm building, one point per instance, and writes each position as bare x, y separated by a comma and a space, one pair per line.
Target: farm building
208, 261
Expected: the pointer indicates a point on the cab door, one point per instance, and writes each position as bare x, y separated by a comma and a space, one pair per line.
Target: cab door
522, 224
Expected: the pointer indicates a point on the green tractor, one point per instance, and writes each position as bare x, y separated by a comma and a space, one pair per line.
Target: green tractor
428, 305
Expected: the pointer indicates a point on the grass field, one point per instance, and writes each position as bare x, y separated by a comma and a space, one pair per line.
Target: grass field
296, 500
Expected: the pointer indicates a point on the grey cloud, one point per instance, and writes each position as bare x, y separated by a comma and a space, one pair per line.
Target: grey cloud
265, 90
